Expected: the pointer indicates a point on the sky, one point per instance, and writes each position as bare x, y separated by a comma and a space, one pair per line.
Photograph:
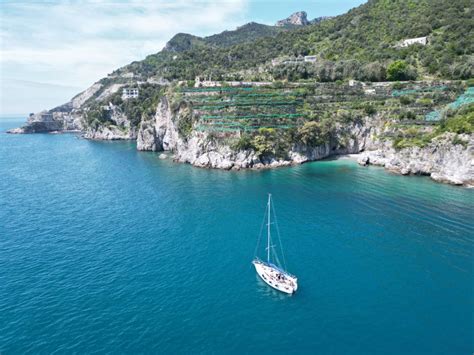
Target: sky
51, 49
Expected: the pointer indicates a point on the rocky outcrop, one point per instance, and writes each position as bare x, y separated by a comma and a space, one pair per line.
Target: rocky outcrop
160, 133
448, 158
49, 121
67, 117
110, 133
118, 127
297, 19
442, 160
78, 100
319, 19
207, 150
182, 42
38, 127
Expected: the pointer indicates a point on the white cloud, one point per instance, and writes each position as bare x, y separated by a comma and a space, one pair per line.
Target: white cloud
75, 43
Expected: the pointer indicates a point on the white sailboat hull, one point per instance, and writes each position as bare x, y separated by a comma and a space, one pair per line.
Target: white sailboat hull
276, 278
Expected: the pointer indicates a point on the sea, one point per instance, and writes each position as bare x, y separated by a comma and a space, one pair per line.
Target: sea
105, 249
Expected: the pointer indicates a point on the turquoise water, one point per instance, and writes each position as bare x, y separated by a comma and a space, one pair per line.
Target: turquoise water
107, 249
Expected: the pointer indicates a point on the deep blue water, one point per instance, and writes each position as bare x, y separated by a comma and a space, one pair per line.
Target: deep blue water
107, 249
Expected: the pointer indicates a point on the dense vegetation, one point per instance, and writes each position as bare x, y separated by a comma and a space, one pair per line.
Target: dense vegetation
460, 121
311, 103
359, 44
134, 109
269, 119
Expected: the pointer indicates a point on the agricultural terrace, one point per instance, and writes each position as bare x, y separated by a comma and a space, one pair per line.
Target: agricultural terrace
229, 109
246, 108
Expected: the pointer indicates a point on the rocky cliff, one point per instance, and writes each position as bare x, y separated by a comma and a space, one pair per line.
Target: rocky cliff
50, 121
211, 150
442, 159
297, 19
67, 117
117, 127
448, 158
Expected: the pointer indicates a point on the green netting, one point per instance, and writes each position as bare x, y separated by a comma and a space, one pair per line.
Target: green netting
238, 96
465, 99
220, 88
397, 93
243, 104
241, 128
245, 123
256, 116
433, 116
211, 100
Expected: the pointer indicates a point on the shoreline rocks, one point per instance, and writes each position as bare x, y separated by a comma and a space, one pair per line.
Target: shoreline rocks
442, 160
110, 133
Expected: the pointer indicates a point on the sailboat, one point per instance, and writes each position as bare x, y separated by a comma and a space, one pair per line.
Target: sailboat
273, 275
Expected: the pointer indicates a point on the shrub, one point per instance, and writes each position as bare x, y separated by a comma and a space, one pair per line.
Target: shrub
458, 140
425, 102
400, 70
314, 133
185, 123
372, 72
461, 123
397, 86
270, 141
408, 115
370, 109
244, 143
406, 100
97, 116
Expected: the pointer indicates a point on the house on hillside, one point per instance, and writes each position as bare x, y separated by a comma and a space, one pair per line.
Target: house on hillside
129, 93
198, 83
294, 60
410, 41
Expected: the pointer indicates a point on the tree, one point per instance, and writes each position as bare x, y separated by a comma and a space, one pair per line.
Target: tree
372, 72
314, 133
400, 70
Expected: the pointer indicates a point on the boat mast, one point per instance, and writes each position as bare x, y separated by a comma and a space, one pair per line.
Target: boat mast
268, 228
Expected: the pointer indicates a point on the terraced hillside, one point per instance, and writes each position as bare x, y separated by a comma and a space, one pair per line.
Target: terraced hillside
248, 109
394, 77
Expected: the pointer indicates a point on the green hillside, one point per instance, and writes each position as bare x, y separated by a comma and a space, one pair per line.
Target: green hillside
359, 44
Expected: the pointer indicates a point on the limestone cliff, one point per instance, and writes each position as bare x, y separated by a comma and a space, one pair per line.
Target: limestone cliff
442, 159
118, 127
50, 121
205, 149
297, 19
67, 117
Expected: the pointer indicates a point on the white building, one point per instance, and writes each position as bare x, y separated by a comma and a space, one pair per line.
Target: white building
370, 91
409, 41
294, 60
129, 93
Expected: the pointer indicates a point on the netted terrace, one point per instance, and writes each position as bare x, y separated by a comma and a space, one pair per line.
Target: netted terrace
228, 109
246, 108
